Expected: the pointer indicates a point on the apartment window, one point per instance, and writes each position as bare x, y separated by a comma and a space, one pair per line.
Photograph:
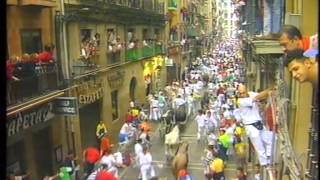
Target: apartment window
114, 104
31, 40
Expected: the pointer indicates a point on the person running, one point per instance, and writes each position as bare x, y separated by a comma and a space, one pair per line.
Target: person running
146, 167
217, 167
90, 157
110, 161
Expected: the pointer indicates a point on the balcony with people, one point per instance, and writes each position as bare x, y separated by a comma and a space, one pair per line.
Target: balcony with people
31, 75
148, 47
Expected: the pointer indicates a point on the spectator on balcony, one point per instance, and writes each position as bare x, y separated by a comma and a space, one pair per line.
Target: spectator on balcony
96, 40
302, 68
118, 44
11, 80
145, 43
131, 44
85, 50
292, 39
10, 67
27, 73
47, 55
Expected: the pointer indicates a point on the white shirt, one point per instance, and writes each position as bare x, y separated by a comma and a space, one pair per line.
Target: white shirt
108, 160
178, 102
248, 109
125, 129
200, 120
145, 159
138, 149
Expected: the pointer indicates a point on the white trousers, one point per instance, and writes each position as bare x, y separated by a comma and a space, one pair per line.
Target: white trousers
155, 114
147, 172
262, 142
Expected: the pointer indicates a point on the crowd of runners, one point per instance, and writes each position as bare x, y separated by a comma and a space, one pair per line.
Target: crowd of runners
213, 94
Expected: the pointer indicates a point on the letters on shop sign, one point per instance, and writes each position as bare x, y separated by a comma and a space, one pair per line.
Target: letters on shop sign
91, 97
24, 120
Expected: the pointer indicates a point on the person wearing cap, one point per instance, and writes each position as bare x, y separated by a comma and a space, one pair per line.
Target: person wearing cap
248, 114
90, 157
302, 68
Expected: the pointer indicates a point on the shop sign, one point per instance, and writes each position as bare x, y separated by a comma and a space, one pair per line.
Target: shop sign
25, 120
89, 92
116, 79
67, 106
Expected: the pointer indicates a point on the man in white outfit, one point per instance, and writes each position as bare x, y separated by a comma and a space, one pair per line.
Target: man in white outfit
146, 168
248, 114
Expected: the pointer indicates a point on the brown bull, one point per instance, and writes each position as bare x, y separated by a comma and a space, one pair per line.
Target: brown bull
180, 161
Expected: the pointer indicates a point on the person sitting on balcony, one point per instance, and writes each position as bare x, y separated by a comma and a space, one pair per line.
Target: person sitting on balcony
47, 55
302, 68
131, 44
145, 43
118, 44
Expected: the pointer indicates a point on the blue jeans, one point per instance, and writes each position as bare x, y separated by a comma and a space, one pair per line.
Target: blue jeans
272, 16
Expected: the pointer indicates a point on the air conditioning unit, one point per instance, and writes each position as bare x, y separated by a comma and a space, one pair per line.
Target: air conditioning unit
294, 19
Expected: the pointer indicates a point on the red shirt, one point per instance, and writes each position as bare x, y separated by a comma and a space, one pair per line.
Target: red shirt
92, 155
10, 69
306, 43
105, 144
45, 57
105, 175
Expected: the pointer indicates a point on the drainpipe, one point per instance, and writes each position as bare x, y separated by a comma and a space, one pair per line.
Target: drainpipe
64, 52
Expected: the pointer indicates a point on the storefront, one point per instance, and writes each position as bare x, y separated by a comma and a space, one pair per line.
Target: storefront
30, 142
89, 94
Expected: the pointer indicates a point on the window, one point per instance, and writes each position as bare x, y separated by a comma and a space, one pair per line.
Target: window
114, 104
31, 41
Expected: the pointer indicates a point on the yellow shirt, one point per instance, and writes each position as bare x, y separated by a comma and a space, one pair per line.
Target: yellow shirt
135, 112
217, 165
240, 149
101, 128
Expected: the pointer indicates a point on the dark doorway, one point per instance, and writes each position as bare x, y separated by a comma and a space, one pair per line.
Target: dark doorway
133, 84
43, 151
89, 118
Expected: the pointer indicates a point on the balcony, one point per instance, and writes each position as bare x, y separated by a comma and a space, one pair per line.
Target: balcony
135, 54
113, 57
83, 66
41, 80
44, 3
